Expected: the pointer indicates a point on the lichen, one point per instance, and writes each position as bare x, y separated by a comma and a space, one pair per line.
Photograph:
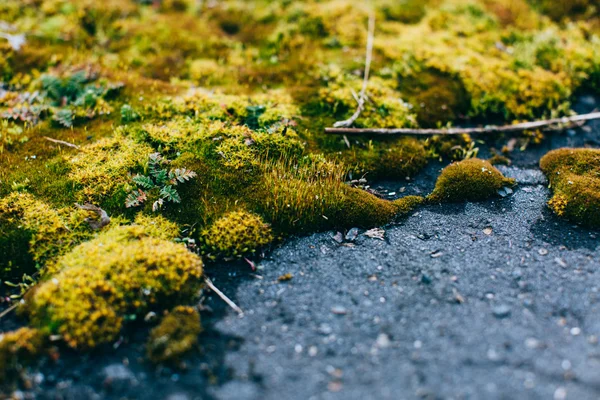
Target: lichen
574, 176
118, 275
468, 180
176, 335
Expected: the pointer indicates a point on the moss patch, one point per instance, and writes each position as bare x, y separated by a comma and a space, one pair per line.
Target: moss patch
121, 273
468, 180
176, 334
574, 176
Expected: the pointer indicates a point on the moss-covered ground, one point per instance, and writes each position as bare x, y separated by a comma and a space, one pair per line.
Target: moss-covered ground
198, 128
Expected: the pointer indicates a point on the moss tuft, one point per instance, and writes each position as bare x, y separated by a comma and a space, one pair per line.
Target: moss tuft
32, 232
118, 275
176, 334
396, 159
18, 348
236, 234
468, 180
574, 176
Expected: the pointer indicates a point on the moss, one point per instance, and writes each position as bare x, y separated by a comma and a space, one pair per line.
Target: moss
176, 335
468, 180
101, 170
362, 209
397, 158
116, 276
574, 176
498, 159
17, 349
437, 97
405, 11
386, 109
559, 10
236, 234
33, 233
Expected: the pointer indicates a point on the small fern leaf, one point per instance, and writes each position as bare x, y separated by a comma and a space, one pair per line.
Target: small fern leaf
169, 193
181, 174
135, 198
143, 181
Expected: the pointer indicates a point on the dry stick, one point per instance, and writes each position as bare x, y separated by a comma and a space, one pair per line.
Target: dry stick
61, 142
222, 296
8, 310
459, 131
368, 58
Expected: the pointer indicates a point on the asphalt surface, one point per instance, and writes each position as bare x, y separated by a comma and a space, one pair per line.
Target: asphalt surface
491, 300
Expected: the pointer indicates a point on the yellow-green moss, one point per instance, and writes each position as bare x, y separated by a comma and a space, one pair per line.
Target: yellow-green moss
17, 349
574, 176
236, 234
102, 169
121, 273
176, 335
32, 232
397, 159
362, 209
468, 180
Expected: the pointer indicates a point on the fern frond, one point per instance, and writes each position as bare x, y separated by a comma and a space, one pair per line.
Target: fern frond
181, 174
169, 193
64, 117
135, 198
143, 181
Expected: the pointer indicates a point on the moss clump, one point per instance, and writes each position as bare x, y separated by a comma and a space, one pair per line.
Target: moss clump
18, 348
101, 170
236, 234
559, 10
468, 180
363, 210
574, 176
437, 97
398, 159
120, 274
32, 232
176, 334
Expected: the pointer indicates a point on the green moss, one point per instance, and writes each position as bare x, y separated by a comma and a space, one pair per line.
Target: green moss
236, 234
396, 158
33, 233
559, 10
101, 170
176, 335
362, 209
574, 176
17, 349
436, 97
468, 180
120, 274
405, 11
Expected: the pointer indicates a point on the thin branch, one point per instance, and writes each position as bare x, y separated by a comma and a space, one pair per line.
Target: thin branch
363, 92
222, 296
8, 310
61, 142
548, 124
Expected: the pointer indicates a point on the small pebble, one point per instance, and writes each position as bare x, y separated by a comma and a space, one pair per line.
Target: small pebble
501, 311
339, 310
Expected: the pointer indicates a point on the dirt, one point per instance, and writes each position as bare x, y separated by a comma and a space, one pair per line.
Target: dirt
495, 300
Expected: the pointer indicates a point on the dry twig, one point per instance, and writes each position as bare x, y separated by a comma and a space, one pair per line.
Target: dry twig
548, 124
222, 296
362, 97
61, 142
8, 310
